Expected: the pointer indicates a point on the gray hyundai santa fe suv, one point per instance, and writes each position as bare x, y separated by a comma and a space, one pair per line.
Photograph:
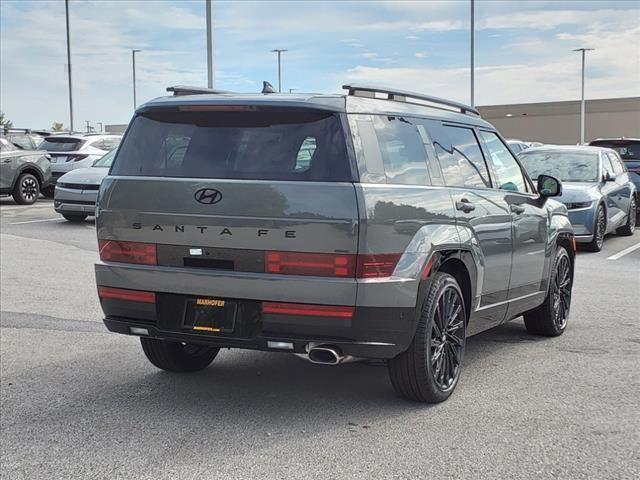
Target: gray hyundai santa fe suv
377, 224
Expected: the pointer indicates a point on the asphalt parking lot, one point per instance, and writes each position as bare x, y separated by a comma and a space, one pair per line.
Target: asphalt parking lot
79, 402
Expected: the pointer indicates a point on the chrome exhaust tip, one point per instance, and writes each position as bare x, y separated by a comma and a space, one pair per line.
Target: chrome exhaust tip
325, 355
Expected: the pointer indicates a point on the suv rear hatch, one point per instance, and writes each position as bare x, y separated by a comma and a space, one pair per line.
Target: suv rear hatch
236, 189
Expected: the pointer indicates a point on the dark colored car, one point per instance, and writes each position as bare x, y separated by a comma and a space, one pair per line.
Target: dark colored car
378, 224
23, 173
629, 151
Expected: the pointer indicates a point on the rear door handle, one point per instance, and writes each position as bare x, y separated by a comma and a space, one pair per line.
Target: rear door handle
465, 205
517, 209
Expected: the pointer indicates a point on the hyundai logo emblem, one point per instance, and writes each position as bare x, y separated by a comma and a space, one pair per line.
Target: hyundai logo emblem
208, 196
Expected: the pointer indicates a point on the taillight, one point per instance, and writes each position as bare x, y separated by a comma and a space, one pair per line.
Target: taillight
332, 264
319, 264
334, 311
128, 252
377, 265
126, 294
76, 158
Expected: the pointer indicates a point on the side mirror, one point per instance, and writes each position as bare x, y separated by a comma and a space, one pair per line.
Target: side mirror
549, 186
610, 177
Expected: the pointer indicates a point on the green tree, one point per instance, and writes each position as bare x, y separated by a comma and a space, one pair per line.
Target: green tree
57, 127
5, 122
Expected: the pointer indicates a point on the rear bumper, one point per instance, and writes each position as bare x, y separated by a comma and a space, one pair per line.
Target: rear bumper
355, 348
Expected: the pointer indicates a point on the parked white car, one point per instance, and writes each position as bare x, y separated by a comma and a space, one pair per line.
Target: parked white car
71, 151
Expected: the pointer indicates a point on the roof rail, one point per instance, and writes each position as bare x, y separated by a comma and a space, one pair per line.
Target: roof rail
186, 90
402, 96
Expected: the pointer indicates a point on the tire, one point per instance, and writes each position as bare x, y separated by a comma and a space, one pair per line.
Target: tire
49, 191
550, 319
628, 228
177, 356
74, 217
414, 373
26, 190
599, 230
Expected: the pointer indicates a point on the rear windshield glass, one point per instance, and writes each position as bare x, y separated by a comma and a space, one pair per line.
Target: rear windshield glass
567, 166
626, 150
302, 145
58, 144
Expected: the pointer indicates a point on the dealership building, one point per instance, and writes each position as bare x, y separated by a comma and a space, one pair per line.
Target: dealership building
559, 122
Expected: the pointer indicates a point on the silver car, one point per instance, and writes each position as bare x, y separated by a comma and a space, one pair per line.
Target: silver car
597, 189
368, 224
76, 191
23, 173
71, 151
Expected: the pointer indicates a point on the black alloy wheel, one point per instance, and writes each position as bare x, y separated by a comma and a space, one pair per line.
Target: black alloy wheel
561, 292
550, 319
429, 369
446, 342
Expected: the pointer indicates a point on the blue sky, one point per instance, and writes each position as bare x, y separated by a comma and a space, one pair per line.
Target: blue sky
523, 50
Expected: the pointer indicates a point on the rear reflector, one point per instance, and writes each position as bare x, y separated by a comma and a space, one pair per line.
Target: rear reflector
127, 252
307, 310
318, 264
377, 265
126, 294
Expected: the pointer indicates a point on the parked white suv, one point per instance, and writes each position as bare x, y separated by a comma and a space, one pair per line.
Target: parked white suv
71, 151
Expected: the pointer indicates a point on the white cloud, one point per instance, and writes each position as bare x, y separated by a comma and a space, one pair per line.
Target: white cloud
421, 54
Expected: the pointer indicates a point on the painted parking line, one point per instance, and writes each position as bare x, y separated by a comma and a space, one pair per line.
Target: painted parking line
624, 252
37, 221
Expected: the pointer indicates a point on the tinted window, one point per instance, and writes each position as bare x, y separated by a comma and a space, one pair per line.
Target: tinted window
627, 149
61, 144
22, 141
460, 157
506, 168
565, 165
261, 145
402, 150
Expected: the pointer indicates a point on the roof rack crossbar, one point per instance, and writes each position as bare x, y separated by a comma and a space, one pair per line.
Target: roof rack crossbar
187, 90
402, 95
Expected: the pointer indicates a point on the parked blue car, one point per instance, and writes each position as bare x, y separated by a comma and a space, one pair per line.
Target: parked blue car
596, 189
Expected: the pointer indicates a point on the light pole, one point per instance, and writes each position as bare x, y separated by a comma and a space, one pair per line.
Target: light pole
66, 10
583, 50
279, 52
472, 54
211, 81
133, 64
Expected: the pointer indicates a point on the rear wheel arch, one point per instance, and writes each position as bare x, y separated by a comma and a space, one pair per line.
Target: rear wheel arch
28, 169
459, 264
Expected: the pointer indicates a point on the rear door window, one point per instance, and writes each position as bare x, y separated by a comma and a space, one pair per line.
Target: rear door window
269, 144
508, 173
460, 157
